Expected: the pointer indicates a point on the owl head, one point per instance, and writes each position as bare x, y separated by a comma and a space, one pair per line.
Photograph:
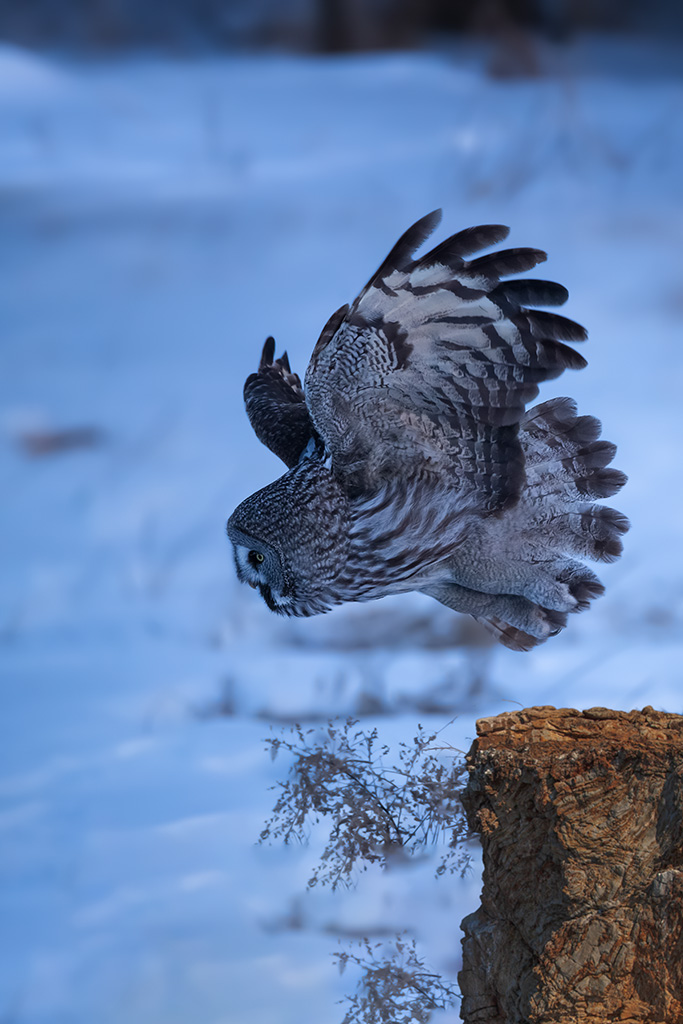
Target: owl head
290, 540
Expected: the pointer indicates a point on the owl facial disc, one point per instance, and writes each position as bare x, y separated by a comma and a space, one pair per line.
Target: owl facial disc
258, 565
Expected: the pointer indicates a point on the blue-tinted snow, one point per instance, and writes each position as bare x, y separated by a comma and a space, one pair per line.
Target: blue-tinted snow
160, 218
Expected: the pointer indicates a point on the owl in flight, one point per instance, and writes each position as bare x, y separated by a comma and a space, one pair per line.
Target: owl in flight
412, 462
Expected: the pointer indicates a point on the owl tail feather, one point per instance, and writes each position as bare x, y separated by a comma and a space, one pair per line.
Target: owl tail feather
567, 468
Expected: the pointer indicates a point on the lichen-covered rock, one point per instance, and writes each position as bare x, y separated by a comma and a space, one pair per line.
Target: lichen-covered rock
580, 816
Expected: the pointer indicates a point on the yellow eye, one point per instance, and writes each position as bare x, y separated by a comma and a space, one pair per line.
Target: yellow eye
255, 557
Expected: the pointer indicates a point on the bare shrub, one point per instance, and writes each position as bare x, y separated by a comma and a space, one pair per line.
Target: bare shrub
395, 986
380, 809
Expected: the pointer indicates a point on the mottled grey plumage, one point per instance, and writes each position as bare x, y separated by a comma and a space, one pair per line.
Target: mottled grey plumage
413, 464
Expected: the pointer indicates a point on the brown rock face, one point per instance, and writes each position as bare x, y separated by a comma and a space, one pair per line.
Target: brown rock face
580, 816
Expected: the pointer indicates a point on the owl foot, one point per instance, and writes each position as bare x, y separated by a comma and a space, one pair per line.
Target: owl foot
533, 620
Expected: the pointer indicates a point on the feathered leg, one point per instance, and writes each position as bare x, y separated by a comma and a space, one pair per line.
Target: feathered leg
516, 622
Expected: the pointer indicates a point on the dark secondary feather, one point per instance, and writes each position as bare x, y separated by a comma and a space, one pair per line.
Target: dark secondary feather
276, 407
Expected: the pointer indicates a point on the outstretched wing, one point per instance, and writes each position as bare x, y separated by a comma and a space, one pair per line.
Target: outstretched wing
433, 364
276, 407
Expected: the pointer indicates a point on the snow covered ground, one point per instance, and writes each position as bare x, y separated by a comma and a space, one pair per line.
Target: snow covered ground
159, 219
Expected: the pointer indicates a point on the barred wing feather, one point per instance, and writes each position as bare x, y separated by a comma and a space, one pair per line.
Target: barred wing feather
431, 367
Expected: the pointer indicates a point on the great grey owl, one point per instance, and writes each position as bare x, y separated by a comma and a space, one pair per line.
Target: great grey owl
413, 464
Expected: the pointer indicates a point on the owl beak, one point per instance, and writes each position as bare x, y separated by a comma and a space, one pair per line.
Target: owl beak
252, 585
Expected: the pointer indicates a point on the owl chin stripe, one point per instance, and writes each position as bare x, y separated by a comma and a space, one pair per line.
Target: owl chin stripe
267, 595
289, 607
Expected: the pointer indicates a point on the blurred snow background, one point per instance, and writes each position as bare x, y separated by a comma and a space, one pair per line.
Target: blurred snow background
160, 216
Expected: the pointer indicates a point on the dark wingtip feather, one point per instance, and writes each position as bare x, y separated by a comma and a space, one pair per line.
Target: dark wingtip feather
464, 243
605, 526
529, 292
617, 520
559, 417
400, 256
554, 414
585, 429
608, 482
558, 356
267, 353
552, 325
283, 361
423, 228
598, 454
480, 237
601, 483
411, 240
506, 262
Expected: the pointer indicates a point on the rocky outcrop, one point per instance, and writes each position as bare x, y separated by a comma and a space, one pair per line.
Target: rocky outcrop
580, 815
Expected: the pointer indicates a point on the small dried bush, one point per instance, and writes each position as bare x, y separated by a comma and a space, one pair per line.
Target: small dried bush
380, 809
395, 986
